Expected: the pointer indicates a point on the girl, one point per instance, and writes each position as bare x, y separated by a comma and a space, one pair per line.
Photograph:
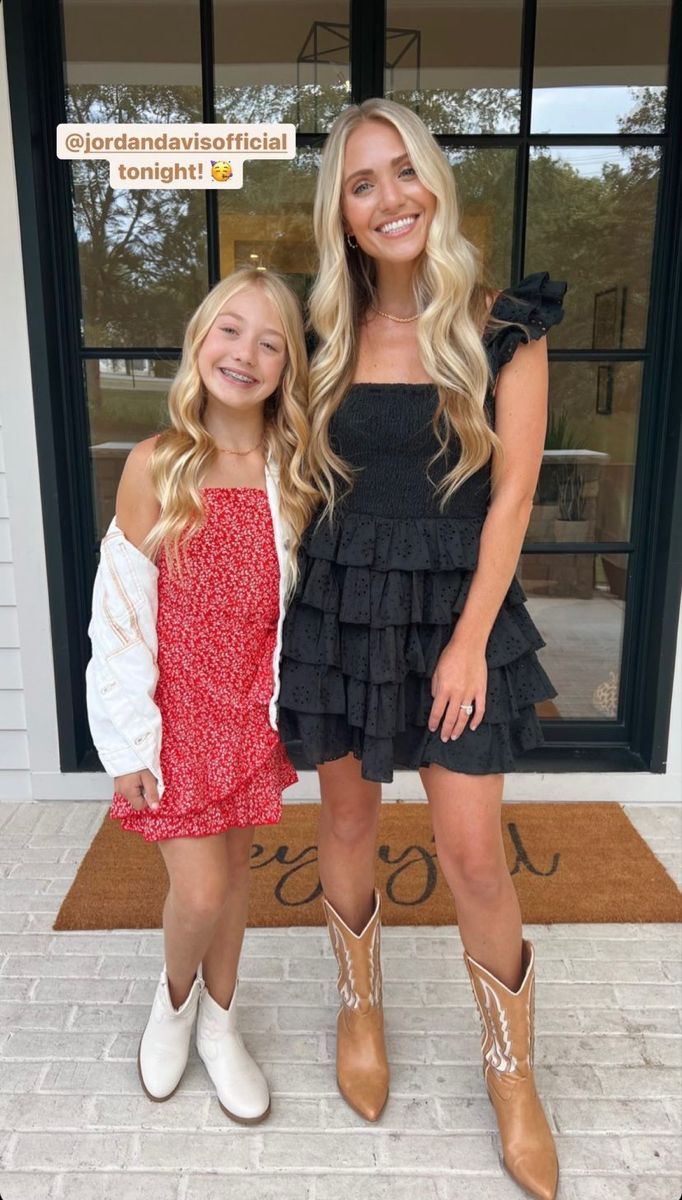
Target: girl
407, 642
186, 633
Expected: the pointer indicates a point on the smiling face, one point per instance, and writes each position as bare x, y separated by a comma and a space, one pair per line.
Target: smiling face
383, 203
243, 355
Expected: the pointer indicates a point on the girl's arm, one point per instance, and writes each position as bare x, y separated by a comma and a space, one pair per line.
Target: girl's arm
520, 423
137, 508
137, 511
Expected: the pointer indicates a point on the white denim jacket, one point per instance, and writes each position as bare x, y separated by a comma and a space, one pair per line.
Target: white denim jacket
122, 674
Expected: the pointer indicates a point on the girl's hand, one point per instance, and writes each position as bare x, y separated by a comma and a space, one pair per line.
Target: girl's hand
139, 789
460, 677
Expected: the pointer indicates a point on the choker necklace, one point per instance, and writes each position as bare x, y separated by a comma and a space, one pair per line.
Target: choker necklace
400, 320
224, 449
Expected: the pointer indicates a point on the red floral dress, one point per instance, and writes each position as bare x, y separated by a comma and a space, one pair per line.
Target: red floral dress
223, 765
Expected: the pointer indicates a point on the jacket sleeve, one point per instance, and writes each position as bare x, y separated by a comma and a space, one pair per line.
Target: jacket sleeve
121, 676
116, 755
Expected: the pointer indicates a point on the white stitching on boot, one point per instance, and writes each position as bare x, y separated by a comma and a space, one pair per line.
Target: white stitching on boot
498, 1057
346, 988
375, 968
531, 1023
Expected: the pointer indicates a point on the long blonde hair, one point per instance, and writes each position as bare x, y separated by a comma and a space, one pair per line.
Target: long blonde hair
449, 292
184, 452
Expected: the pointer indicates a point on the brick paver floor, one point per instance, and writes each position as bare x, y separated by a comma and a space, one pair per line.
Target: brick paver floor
74, 1124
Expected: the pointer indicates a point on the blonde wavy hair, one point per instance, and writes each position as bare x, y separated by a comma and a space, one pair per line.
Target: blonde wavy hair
450, 293
184, 452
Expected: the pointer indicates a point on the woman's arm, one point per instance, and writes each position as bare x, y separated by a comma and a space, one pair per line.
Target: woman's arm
520, 424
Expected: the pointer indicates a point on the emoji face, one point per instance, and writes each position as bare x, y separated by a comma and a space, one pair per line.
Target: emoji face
220, 170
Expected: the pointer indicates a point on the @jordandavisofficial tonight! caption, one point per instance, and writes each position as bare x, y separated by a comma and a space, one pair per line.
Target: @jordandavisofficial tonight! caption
175, 156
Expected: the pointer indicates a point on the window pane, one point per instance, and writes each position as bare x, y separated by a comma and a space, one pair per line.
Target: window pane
600, 67
278, 62
456, 64
585, 488
142, 253
485, 185
127, 401
268, 222
577, 602
591, 214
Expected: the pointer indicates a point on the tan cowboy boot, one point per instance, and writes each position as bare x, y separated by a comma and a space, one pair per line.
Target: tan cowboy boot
361, 1066
508, 1021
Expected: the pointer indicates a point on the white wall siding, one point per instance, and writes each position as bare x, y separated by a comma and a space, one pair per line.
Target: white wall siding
15, 779
28, 737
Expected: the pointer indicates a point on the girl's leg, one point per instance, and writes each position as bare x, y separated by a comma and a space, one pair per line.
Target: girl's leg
204, 919
466, 817
241, 1086
220, 962
198, 870
349, 818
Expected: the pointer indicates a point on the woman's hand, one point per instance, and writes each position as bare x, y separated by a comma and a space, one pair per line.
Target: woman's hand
139, 789
460, 677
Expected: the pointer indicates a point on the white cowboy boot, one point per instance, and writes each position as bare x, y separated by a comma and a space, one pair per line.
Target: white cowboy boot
164, 1047
242, 1088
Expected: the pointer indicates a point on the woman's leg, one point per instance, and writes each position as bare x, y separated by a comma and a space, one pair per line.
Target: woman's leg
199, 885
467, 826
349, 819
220, 962
347, 858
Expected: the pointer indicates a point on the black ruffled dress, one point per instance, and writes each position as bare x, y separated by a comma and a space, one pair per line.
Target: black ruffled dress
380, 590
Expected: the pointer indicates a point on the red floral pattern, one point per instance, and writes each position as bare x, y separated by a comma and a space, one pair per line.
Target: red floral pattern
223, 765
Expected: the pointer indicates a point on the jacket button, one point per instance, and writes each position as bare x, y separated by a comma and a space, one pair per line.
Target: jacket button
142, 737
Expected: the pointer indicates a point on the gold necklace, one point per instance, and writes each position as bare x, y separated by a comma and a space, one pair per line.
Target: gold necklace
400, 320
224, 449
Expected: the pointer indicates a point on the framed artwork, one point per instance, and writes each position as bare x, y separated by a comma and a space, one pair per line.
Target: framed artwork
604, 319
608, 331
623, 302
608, 320
605, 389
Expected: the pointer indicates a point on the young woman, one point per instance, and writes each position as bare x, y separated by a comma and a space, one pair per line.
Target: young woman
407, 642
186, 633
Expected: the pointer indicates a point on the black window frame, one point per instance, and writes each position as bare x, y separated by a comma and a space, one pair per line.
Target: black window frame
638, 739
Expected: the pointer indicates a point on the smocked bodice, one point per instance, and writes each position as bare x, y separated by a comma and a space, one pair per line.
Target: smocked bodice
385, 432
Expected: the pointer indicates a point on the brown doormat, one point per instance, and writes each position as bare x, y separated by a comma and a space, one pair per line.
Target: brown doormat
569, 862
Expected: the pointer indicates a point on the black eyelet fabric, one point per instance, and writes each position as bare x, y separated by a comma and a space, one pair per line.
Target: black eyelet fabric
380, 589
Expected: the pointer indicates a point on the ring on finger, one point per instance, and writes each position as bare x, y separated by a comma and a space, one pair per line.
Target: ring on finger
468, 708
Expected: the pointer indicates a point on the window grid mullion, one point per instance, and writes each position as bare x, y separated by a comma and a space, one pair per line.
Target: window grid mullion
208, 116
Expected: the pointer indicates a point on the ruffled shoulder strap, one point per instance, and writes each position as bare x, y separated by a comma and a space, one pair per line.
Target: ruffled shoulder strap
536, 302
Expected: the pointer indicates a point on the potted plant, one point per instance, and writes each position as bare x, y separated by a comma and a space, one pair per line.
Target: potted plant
571, 523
